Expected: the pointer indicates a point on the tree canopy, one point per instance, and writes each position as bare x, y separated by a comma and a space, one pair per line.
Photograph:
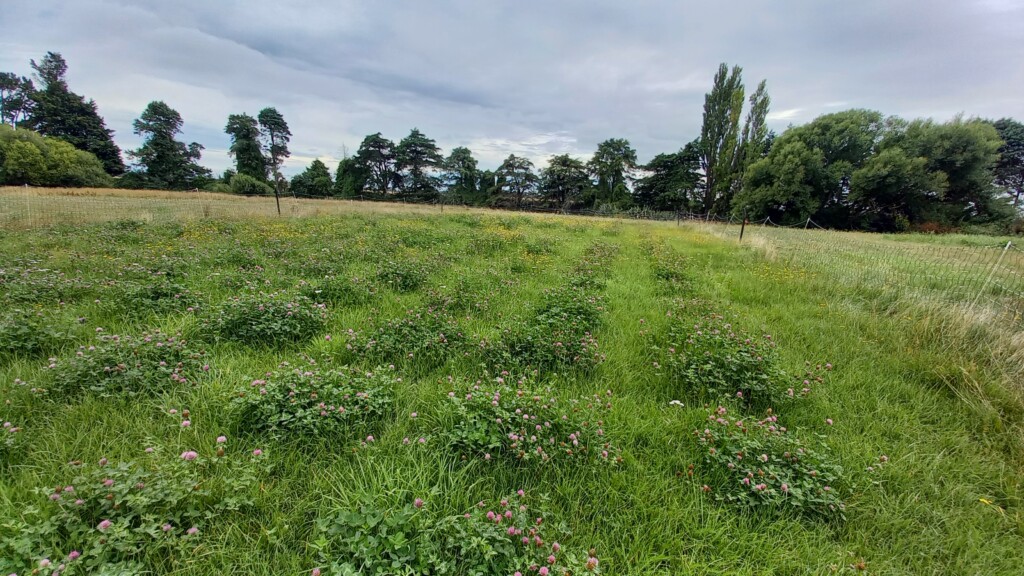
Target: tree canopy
26, 157
461, 177
719, 137
246, 147
612, 166
58, 112
671, 181
858, 169
564, 181
314, 182
1009, 169
852, 169
516, 181
275, 136
16, 102
162, 161
376, 158
417, 158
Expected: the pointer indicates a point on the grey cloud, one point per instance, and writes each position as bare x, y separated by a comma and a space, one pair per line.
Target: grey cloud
529, 77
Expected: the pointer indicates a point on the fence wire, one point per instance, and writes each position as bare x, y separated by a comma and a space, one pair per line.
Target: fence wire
956, 270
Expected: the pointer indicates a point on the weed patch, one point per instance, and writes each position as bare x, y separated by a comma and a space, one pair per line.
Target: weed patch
711, 357
266, 319
32, 333
428, 336
108, 516
761, 464
316, 403
402, 276
128, 365
513, 536
527, 425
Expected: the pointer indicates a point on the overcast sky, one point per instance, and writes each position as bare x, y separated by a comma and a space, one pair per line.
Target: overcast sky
528, 77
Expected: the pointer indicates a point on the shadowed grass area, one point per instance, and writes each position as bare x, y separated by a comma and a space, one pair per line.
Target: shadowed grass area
921, 409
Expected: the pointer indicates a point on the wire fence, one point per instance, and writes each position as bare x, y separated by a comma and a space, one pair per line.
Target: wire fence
29, 207
983, 275
976, 272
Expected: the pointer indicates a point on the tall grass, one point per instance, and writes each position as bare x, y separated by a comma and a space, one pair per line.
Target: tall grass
928, 382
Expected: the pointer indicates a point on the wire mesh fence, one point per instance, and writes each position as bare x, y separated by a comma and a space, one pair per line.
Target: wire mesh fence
27, 207
980, 274
976, 272
31, 207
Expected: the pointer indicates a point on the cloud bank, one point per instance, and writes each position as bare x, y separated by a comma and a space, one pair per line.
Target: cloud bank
531, 78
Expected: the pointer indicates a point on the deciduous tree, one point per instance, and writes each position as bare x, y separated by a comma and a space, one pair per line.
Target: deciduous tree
719, 137
793, 183
966, 152
892, 190
754, 141
26, 157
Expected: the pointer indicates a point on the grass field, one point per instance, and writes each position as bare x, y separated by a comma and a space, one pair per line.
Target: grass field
903, 456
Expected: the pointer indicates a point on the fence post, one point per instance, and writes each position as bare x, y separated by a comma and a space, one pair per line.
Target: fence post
28, 206
743, 225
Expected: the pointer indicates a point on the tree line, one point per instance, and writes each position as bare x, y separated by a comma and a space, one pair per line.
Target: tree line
855, 169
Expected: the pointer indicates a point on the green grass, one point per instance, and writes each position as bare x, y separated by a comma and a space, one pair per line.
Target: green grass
909, 383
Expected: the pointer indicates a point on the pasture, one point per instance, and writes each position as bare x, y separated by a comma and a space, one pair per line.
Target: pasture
193, 385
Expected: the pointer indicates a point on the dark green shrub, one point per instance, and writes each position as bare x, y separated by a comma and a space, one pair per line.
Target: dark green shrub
249, 186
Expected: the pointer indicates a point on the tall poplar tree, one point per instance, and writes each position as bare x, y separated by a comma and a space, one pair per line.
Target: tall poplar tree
719, 135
